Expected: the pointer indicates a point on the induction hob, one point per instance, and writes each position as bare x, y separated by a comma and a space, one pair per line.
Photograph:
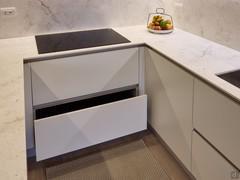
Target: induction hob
78, 40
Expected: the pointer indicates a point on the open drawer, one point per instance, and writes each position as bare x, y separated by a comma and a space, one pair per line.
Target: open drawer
71, 131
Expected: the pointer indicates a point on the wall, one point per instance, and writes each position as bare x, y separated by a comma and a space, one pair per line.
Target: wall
41, 16
217, 20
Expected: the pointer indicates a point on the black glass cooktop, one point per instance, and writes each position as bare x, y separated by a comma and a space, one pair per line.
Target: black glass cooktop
78, 40
232, 77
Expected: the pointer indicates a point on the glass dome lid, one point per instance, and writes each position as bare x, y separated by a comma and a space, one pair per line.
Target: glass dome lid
160, 22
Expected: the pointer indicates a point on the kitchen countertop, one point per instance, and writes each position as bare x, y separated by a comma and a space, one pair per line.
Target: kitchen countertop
199, 56
12, 124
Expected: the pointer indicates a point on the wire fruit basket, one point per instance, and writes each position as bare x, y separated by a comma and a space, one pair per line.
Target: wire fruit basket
160, 22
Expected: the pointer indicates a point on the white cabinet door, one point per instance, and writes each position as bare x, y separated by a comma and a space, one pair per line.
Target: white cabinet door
64, 133
170, 92
207, 164
59, 79
217, 118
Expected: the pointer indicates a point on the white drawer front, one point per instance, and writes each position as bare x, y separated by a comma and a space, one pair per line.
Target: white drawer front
217, 118
207, 164
64, 133
64, 78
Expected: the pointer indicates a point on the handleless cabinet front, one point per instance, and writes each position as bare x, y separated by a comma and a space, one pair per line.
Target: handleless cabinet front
64, 78
170, 93
217, 118
208, 164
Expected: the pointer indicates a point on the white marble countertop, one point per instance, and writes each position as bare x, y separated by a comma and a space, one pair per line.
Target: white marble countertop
201, 57
12, 124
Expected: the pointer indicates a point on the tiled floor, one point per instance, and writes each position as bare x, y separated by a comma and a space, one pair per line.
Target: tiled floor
36, 171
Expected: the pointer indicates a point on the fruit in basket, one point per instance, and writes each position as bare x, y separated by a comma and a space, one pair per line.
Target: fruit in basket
151, 26
163, 24
158, 23
154, 27
157, 28
169, 26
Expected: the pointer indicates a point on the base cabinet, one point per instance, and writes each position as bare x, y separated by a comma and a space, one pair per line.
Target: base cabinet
217, 118
170, 97
208, 164
52, 85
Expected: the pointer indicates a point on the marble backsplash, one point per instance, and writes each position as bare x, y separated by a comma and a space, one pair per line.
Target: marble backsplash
216, 20
43, 16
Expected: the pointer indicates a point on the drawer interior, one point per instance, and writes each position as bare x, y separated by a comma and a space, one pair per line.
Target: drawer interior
83, 104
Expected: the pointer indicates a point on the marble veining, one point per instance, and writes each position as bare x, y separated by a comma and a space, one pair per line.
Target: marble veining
200, 56
47, 9
44, 16
216, 20
12, 124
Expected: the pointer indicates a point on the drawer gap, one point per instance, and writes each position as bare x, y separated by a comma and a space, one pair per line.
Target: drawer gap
83, 104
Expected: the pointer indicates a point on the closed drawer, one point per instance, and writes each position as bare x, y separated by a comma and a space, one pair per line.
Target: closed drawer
208, 164
59, 79
64, 133
217, 118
